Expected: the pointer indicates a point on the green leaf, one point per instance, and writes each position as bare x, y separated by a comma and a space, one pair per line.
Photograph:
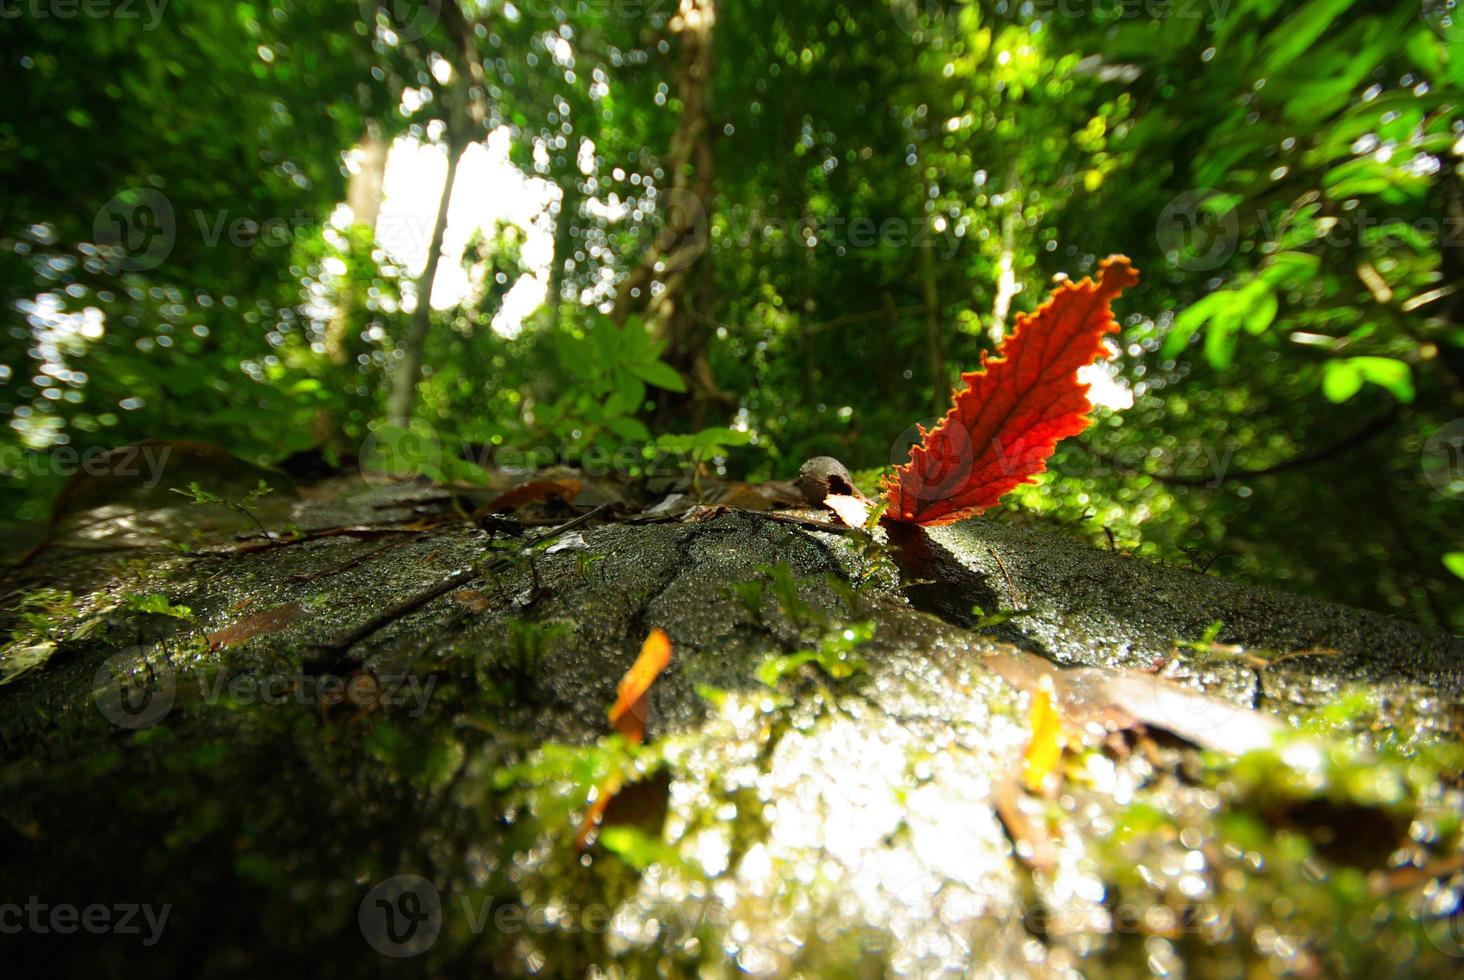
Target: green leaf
628, 396
660, 374
1262, 311
1300, 31
1291, 269
608, 341
718, 437
155, 604
1454, 562
1340, 381
1220, 339
18, 660
629, 429
1386, 372
1186, 323
639, 849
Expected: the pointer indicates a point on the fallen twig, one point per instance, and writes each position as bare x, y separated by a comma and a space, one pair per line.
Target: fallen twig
414, 602
349, 563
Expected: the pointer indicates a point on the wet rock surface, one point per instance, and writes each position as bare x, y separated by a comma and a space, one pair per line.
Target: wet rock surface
833, 781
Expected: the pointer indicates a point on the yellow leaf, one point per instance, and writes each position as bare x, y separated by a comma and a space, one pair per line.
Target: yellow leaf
1045, 750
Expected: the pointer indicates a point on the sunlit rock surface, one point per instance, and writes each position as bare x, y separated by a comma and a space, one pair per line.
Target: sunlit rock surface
861, 814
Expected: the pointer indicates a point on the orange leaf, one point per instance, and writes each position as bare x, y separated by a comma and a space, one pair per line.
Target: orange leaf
1013, 411
628, 713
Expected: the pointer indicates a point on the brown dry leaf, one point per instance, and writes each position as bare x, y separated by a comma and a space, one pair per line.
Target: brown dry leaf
531, 493
853, 511
269, 621
471, 599
1117, 699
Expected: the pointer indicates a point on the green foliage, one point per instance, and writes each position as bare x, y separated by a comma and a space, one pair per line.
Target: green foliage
155, 604
426, 762
701, 448
1286, 176
607, 369
986, 621
836, 656
239, 505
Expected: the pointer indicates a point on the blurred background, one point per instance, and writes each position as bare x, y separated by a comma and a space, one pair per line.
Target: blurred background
767, 230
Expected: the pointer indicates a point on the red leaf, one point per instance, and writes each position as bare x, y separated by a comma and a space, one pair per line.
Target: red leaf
1013, 411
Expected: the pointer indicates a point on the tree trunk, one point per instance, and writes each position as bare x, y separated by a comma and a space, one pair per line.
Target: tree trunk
408, 372
934, 345
1006, 277
465, 119
364, 193
680, 254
